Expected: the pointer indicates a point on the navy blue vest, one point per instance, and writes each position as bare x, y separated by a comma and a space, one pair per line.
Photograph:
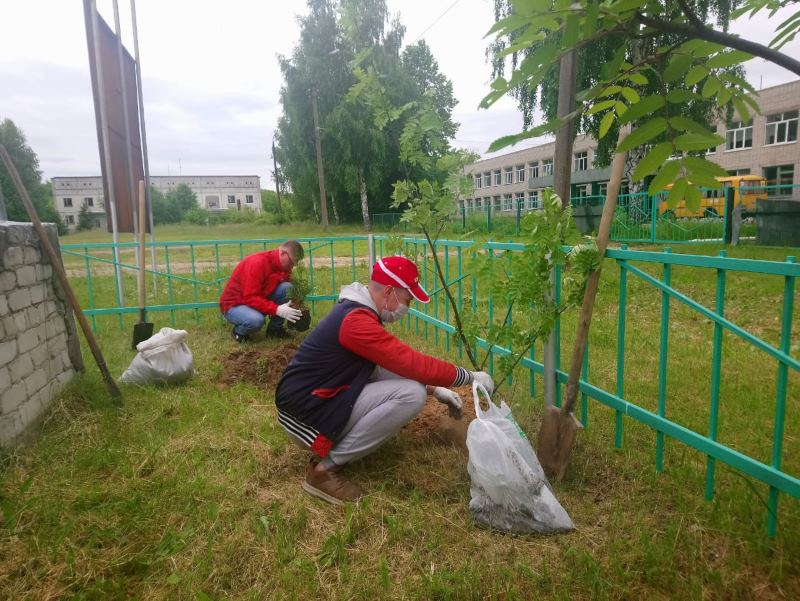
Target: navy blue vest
323, 380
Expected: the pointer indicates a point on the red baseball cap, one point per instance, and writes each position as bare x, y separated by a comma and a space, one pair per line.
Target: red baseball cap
399, 272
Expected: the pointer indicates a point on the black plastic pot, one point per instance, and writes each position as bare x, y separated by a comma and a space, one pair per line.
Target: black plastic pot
302, 324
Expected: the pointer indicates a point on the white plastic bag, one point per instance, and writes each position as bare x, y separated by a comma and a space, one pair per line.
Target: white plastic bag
509, 489
163, 358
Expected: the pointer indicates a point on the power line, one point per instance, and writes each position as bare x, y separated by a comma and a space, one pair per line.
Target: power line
435, 22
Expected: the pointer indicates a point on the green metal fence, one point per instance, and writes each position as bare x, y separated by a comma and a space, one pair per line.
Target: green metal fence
190, 277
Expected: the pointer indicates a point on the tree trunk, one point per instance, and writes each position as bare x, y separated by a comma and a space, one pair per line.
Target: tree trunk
277, 178
323, 198
364, 201
335, 210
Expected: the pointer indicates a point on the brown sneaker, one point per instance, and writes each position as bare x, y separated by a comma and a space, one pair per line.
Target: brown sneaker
331, 486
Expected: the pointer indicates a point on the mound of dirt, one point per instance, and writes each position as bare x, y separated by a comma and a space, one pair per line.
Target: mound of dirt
261, 366
434, 424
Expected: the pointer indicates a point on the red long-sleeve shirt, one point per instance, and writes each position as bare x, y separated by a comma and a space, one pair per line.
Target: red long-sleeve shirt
363, 334
253, 280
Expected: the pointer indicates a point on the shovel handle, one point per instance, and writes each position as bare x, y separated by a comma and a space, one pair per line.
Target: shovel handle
589, 295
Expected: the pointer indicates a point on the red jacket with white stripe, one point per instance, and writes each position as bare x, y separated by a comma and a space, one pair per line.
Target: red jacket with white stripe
253, 280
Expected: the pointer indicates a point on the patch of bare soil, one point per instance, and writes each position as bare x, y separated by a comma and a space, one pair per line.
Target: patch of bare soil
261, 366
434, 424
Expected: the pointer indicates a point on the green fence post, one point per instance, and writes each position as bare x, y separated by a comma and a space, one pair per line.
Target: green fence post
425, 285
519, 214
585, 378
416, 254
662, 364
219, 274
532, 373
460, 298
435, 298
489, 218
780, 397
463, 219
333, 271
474, 297
623, 293
194, 284
557, 332
170, 295
353, 257
117, 254
444, 299
490, 304
716, 363
311, 274
653, 218
89, 286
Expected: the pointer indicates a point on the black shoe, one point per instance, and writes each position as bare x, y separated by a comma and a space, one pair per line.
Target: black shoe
281, 334
240, 338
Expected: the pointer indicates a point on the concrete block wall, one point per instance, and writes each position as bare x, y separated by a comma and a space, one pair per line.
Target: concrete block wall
39, 347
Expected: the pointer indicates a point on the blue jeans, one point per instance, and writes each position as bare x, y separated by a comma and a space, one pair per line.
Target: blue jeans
247, 320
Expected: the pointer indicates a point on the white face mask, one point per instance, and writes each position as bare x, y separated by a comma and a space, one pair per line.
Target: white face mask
399, 313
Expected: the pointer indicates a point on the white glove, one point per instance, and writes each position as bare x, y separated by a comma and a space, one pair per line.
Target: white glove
481, 377
288, 313
449, 398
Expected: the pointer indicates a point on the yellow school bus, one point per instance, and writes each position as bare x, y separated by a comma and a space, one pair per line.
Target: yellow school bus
747, 189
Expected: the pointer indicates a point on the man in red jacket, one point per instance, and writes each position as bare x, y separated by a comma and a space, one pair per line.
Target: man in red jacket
352, 385
259, 287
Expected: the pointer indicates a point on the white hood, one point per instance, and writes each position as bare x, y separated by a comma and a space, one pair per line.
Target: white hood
359, 293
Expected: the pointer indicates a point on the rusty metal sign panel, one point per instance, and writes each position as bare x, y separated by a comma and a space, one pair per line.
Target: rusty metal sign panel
124, 182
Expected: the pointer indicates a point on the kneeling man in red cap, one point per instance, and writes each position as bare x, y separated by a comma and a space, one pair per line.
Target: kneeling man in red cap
352, 385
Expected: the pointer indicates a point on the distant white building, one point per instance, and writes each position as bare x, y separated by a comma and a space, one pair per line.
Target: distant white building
214, 192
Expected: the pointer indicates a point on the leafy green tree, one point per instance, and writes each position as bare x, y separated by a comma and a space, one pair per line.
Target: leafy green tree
173, 206
27, 164
592, 62
426, 80
316, 65
517, 279
183, 198
646, 89
350, 54
85, 220
269, 201
163, 210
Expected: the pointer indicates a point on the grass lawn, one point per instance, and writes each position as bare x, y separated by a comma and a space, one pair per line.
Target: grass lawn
192, 492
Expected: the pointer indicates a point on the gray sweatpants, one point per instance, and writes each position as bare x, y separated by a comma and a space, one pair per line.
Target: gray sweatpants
387, 403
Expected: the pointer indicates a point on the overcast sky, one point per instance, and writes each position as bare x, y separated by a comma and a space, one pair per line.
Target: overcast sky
211, 77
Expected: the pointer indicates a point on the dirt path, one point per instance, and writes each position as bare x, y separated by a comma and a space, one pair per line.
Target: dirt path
106, 269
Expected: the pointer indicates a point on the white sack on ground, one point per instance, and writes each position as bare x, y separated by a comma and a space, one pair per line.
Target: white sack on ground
164, 358
509, 489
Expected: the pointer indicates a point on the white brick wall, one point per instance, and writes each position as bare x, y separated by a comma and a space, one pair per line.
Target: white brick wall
39, 350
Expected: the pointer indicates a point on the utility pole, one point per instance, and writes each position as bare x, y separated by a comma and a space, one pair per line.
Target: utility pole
277, 177
323, 199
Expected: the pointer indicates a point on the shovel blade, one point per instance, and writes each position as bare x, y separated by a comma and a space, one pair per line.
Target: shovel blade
556, 439
547, 446
141, 332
